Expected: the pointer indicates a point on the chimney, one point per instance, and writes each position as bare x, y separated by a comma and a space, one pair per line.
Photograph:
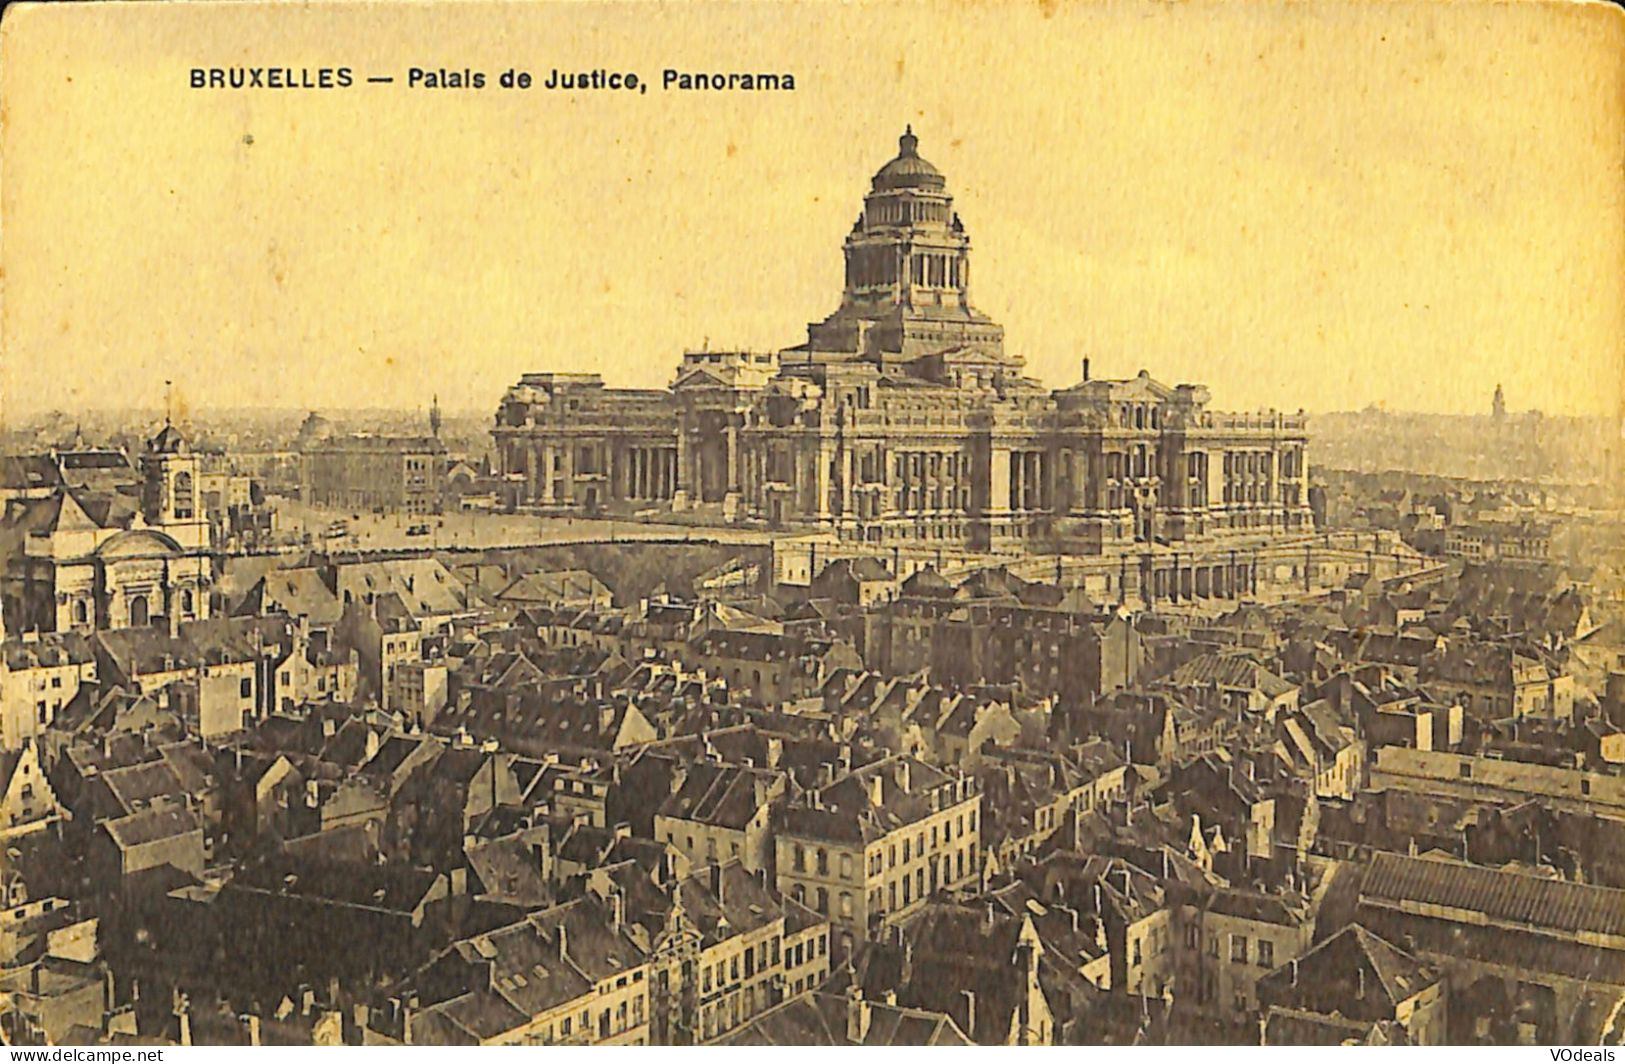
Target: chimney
253, 1029
902, 775
564, 944
617, 910
183, 1013
908, 961
857, 1015
330, 727
715, 873
307, 1000
1086, 370
1360, 993
970, 1014
877, 790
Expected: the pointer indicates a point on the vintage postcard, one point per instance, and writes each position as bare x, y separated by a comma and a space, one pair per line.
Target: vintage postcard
808, 524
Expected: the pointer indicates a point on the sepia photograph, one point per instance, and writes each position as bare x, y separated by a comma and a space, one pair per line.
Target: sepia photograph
520, 525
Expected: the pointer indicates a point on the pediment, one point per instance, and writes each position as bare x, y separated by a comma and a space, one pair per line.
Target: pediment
139, 543
699, 378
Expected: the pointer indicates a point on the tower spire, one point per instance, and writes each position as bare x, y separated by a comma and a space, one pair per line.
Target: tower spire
434, 416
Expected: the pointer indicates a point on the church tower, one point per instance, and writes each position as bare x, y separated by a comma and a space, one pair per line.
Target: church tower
170, 498
907, 288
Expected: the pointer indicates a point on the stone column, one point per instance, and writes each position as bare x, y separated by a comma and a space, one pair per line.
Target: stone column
846, 481
823, 456
569, 472
548, 453
999, 473
682, 496
730, 491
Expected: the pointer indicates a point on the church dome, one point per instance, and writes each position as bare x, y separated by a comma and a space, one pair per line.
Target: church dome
908, 170
168, 441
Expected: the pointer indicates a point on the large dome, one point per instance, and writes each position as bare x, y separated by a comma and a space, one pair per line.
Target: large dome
908, 170
314, 429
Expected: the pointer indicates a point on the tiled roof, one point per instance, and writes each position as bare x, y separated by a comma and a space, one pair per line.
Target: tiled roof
1505, 898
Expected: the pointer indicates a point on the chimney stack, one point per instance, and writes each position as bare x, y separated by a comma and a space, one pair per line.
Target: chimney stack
970, 1014
857, 1015
183, 1014
1086, 370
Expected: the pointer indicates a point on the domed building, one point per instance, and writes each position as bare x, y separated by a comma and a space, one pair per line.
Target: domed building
902, 421
96, 559
313, 430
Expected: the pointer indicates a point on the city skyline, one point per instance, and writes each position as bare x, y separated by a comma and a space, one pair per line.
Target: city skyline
1402, 242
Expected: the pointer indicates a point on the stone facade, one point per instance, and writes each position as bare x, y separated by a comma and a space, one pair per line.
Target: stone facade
90, 562
399, 474
903, 420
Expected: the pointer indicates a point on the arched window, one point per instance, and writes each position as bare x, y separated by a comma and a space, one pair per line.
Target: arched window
187, 601
183, 496
81, 612
139, 614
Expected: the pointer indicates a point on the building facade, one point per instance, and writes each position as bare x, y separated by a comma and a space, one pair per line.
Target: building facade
903, 419
94, 559
399, 474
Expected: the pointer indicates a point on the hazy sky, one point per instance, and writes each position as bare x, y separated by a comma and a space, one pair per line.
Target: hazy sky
1317, 205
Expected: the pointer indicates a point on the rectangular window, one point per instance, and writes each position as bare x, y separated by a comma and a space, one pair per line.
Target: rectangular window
1266, 953
1238, 948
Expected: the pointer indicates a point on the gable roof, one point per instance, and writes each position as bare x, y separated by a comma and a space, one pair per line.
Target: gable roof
1506, 899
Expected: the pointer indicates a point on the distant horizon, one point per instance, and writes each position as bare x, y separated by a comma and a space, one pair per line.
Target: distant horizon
1322, 205
11, 421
